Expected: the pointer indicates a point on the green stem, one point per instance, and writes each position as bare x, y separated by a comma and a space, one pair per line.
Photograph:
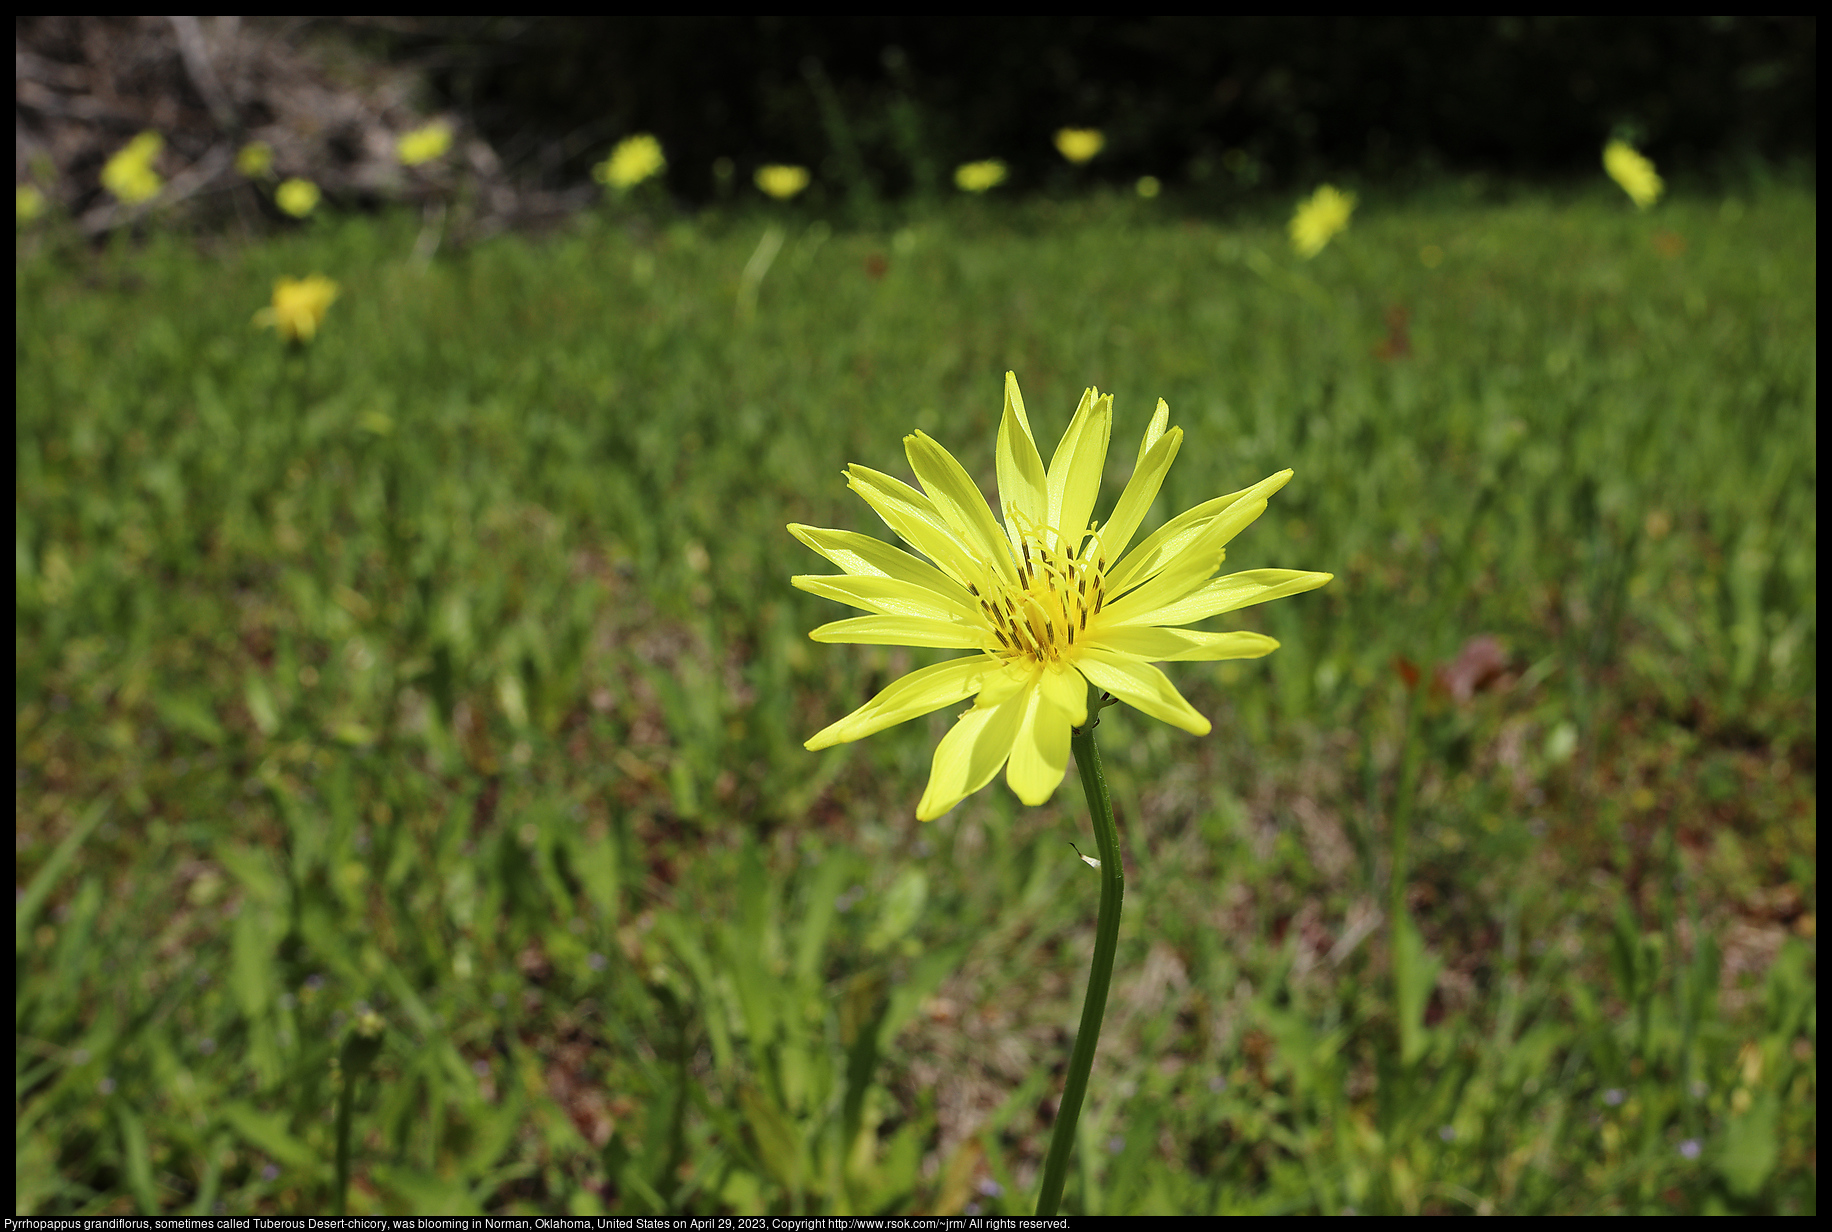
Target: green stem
1100, 976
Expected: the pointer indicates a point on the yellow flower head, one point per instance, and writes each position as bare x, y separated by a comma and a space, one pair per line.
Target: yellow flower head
634, 160
1631, 169
129, 174
299, 307
980, 176
1078, 145
1049, 601
1318, 220
297, 197
29, 204
255, 160
424, 144
782, 182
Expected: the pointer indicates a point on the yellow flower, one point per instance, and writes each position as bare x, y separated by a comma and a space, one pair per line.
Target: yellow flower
633, 160
1631, 169
1078, 145
299, 307
1319, 219
129, 174
980, 176
424, 144
255, 160
29, 204
1052, 602
297, 197
782, 182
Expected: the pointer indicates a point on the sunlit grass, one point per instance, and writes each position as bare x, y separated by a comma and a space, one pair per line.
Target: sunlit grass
449, 667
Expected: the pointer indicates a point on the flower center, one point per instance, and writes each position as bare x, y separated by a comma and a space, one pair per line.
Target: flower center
1056, 594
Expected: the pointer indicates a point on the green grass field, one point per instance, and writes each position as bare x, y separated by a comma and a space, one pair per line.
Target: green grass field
448, 668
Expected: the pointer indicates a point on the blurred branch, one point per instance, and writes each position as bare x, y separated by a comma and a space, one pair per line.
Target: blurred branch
196, 56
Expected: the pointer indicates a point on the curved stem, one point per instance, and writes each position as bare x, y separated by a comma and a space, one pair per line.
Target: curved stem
1100, 975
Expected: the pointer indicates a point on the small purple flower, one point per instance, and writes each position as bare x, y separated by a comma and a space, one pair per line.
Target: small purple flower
595, 961
271, 1172
1447, 1132
1217, 1085
1115, 1145
990, 1188
1691, 1148
1614, 1097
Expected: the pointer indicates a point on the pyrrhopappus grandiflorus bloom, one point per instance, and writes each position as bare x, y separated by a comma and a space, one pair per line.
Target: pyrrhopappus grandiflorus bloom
1049, 600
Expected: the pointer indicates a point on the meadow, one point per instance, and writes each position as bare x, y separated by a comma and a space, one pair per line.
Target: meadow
443, 676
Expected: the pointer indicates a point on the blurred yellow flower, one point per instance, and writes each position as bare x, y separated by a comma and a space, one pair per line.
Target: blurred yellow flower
782, 182
1320, 218
1078, 145
424, 144
633, 160
297, 197
1149, 186
298, 308
1051, 601
255, 160
978, 177
129, 174
1629, 168
29, 204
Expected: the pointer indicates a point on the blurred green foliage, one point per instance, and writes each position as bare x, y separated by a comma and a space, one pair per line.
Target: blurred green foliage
447, 669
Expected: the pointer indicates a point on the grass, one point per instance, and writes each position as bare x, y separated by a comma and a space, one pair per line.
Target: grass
448, 669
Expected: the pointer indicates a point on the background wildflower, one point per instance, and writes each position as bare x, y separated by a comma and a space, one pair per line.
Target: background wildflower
633, 160
1078, 145
980, 176
782, 182
255, 160
28, 204
297, 197
129, 174
1149, 186
1320, 218
1629, 168
424, 144
298, 307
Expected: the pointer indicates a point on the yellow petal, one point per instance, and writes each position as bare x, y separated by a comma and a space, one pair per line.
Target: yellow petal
1183, 645
1160, 419
1040, 750
1003, 683
923, 690
907, 631
958, 499
1075, 468
913, 516
1141, 686
1067, 690
863, 556
887, 595
1190, 568
1141, 490
1164, 543
1192, 564
970, 754
1228, 594
1023, 490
